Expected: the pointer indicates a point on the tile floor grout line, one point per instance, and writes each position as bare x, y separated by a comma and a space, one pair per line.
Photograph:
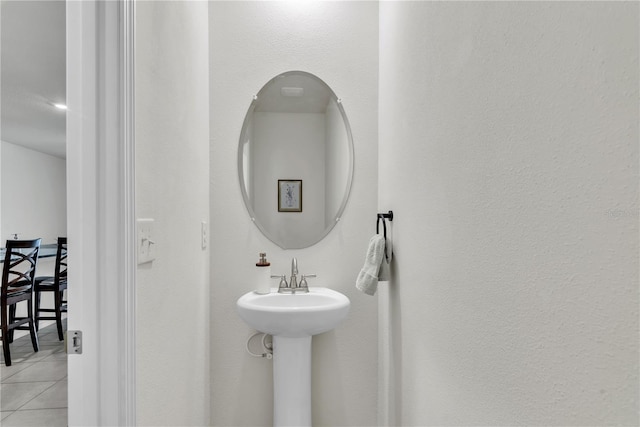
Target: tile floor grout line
35, 397
23, 356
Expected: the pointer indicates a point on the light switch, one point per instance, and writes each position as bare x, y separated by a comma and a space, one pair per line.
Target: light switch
146, 240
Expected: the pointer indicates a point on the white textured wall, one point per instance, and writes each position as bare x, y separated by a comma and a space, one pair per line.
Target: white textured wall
33, 201
251, 42
172, 185
1, 232
34, 194
509, 154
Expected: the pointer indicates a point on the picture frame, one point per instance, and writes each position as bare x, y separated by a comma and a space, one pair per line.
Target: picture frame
289, 195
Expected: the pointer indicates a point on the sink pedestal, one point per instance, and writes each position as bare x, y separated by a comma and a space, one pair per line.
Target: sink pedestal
291, 381
292, 319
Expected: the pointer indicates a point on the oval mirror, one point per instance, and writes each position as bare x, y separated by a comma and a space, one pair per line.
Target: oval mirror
295, 160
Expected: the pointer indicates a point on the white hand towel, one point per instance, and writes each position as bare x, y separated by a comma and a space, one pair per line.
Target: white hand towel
367, 280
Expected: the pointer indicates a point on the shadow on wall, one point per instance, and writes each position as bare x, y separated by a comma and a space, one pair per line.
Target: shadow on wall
327, 376
259, 378
395, 347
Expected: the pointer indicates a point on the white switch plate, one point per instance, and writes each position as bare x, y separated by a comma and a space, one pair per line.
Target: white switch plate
146, 240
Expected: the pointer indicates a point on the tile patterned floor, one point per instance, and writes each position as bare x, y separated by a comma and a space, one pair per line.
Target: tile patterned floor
33, 390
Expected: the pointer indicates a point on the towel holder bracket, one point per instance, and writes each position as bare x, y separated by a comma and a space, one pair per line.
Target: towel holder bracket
384, 217
388, 215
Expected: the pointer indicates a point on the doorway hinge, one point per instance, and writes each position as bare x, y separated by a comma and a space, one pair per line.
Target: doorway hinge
73, 342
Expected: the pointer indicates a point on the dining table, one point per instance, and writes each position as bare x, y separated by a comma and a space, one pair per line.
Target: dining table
46, 251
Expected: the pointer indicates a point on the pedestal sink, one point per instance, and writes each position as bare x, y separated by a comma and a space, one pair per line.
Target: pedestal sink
292, 319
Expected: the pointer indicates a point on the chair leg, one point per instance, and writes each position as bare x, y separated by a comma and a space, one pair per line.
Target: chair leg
32, 327
58, 307
12, 318
37, 303
5, 338
5, 348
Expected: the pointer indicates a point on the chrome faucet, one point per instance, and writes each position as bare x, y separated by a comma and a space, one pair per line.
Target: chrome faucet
293, 286
293, 282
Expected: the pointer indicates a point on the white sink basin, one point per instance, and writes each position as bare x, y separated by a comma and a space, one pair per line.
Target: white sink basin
294, 315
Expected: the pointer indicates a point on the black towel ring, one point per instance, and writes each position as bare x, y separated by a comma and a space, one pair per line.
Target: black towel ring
383, 217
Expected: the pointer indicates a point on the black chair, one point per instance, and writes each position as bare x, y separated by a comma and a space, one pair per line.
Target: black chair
18, 280
56, 284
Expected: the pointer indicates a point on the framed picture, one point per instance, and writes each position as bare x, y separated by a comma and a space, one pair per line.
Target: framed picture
289, 195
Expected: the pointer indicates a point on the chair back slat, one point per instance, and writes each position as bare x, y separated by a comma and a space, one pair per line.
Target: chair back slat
20, 262
60, 275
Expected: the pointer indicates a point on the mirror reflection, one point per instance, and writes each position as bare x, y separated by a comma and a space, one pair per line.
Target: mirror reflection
295, 159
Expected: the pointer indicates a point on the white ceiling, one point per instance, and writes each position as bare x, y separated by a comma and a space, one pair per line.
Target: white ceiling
32, 73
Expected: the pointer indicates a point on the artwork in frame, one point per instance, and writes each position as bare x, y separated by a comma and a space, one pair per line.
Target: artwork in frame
289, 195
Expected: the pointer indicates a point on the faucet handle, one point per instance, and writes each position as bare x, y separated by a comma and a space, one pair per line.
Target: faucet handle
303, 286
283, 287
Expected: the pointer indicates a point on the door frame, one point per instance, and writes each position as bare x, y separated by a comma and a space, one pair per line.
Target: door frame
101, 210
